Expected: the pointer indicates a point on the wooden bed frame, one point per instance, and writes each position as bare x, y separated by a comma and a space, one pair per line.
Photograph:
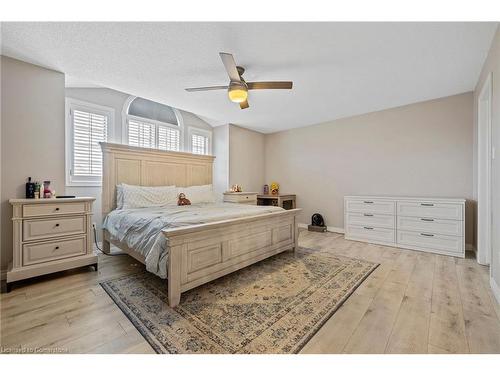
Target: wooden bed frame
197, 253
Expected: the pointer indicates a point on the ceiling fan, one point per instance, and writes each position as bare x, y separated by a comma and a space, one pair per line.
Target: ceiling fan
238, 87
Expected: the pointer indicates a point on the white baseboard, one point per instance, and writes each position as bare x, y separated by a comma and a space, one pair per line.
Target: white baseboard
496, 289
328, 228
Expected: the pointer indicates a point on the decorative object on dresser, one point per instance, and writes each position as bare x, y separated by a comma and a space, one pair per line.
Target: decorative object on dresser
240, 197
317, 224
286, 201
50, 235
236, 189
275, 188
435, 225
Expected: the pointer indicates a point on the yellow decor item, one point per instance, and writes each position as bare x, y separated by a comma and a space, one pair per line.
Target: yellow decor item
275, 188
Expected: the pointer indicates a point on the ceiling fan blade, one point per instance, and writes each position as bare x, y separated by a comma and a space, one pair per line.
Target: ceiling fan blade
191, 89
244, 105
286, 85
230, 65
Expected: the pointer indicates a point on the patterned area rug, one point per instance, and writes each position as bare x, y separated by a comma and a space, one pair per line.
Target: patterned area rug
274, 306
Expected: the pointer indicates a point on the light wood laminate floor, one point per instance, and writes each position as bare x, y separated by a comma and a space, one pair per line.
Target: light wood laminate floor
412, 303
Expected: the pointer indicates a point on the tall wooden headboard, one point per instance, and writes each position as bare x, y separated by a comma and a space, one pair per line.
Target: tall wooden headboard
149, 167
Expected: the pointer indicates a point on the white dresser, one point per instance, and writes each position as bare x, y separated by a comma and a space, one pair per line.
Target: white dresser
50, 235
434, 225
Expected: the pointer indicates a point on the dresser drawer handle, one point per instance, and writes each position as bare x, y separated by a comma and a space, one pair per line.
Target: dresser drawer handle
367, 214
57, 208
368, 202
427, 204
56, 248
427, 234
57, 224
369, 228
424, 219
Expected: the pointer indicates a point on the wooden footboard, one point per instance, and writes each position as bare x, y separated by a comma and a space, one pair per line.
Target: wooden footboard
201, 253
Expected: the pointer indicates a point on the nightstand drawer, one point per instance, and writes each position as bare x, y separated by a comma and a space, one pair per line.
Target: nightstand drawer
241, 198
49, 251
38, 209
46, 228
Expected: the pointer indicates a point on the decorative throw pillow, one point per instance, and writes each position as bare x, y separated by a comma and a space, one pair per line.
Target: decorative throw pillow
198, 194
148, 196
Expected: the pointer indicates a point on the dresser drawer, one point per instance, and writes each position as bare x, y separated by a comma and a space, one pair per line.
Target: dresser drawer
448, 244
430, 210
45, 209
241, 198
428, 225
373, 220
368, 233
45, 228
370, 206
49, 251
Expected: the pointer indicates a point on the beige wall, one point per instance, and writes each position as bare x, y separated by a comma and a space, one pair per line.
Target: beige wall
423, 149
492, 65
32, 135
246, 158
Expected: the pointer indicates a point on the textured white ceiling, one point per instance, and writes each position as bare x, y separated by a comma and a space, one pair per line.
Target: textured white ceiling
338, 69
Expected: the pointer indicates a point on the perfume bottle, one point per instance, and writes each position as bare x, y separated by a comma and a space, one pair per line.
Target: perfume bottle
30, 189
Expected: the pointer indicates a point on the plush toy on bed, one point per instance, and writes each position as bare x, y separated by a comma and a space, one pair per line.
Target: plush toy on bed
183, 201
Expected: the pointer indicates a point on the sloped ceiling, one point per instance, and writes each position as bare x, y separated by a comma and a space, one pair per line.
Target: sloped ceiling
338, 69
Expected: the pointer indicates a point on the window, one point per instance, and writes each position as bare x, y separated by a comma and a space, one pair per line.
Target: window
141, 134
152, 125
200, 141
87, 125
199, 144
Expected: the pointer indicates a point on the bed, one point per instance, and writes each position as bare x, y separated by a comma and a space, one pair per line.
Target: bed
202, 242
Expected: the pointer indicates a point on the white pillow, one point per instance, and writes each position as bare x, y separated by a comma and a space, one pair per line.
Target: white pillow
119, 197
198, 194
147, 196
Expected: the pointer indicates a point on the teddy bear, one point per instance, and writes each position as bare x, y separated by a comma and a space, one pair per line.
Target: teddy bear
183, 201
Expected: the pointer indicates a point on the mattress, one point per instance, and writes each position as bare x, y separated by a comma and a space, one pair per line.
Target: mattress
141, 228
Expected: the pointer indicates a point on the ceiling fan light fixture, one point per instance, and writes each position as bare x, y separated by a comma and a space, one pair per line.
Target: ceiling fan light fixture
237, 92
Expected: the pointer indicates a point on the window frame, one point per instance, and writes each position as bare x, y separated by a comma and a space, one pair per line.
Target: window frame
75, 104
126, 117
202, 132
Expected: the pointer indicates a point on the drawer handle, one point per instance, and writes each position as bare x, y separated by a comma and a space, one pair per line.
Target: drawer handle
424, 219
367, 214
427, 204
369, 228
56, 248
57, 224
57, 208
368, 202
427, 234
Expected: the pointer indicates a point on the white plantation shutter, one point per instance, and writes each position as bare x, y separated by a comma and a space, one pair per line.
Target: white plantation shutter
168, 138
141, 134
88, 130
87, 124
199, 144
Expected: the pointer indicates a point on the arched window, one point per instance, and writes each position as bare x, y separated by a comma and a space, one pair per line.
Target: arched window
152, 125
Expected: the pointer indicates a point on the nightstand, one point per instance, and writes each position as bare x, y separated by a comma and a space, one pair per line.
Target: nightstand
50, 235
241, 197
